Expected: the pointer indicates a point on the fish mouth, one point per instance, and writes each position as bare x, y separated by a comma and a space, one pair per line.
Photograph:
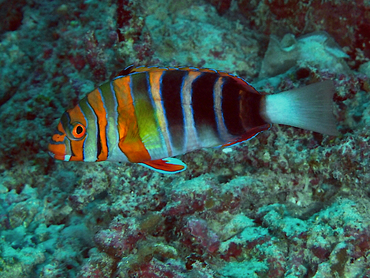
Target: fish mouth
57, 150
56, 155
59, 156
64, 157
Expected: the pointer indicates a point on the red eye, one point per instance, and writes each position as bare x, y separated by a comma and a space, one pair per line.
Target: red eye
78, 131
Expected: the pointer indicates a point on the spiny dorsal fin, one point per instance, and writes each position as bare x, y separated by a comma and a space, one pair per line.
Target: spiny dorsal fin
133, 69
125, 71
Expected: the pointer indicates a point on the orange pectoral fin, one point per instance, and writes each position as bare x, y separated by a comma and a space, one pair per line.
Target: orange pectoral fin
165, 166
134, 150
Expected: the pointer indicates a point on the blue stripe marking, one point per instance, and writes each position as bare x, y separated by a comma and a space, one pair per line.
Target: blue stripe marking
55, 142
56, 131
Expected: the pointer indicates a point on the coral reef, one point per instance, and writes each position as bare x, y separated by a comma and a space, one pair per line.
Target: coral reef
292, 52
287, 203
346, 21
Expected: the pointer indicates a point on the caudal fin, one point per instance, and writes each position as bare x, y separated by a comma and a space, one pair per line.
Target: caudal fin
309, 107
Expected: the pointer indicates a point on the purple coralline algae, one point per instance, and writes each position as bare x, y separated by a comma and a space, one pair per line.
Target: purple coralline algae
287, 203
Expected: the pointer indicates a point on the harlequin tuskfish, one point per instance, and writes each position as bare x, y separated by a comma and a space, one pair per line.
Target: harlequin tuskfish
148, 115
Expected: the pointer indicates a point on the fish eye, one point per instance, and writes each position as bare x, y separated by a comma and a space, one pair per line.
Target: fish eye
78, 131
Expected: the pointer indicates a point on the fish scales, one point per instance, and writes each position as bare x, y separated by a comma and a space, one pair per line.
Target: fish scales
146, 115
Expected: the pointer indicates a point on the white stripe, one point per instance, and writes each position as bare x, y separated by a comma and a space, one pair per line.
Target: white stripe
114, 154
90, 143
217, 96
191, 137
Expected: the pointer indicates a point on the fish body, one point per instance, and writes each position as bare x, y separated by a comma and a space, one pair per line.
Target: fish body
148, 115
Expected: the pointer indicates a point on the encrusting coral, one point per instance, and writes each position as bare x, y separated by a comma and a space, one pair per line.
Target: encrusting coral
288, 203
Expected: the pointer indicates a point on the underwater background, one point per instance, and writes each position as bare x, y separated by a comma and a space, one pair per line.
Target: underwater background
287, 203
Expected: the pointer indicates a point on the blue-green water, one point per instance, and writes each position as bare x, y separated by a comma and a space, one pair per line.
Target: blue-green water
287, 203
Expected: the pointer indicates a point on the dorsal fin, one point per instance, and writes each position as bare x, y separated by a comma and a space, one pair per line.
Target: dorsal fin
241, 82
126, 71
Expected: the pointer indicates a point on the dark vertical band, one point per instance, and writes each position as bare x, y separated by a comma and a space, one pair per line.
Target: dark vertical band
250, 109
231, 107
203, 101
171, 86
140, 87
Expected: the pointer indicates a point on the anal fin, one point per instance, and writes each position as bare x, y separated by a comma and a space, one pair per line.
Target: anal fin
166, 165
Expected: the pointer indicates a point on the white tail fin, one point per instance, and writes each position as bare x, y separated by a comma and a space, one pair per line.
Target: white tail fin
309, 107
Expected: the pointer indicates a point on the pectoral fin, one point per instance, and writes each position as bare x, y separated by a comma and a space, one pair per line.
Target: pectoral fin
165, 166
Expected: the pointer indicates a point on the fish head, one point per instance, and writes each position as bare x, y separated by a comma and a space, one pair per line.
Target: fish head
67, 142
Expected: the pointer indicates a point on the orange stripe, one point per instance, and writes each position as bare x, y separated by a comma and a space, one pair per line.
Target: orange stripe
76, 115
147, 69
96, 102
77, 149
129, 140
